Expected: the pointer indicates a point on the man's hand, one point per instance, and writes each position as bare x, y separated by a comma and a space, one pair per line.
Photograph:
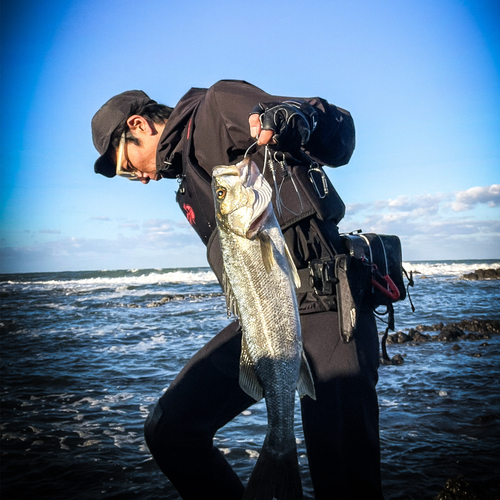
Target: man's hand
262, 136
288, 125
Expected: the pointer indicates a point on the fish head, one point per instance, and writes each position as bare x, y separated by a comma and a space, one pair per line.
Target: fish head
242, 198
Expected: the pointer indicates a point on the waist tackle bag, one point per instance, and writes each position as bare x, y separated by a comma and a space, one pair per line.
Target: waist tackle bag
381, 255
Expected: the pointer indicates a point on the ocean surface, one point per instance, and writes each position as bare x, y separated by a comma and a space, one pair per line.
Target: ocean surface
84, 356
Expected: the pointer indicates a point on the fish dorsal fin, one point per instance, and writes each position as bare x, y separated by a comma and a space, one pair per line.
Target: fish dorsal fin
248, 378
266, 247
293, 269
231, 303
305, 384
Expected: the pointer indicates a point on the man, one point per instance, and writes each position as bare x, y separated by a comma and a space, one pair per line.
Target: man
142, 140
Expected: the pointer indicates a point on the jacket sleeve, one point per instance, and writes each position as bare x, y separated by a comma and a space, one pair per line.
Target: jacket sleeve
227, 107
333, 141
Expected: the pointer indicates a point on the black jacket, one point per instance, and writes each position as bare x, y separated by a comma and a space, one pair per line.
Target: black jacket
209, 127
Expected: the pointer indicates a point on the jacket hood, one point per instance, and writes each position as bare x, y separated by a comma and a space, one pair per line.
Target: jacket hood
170, 147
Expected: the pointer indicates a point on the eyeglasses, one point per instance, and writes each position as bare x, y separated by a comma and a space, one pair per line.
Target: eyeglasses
131, 176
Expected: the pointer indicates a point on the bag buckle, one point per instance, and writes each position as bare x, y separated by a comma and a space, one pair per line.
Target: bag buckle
322, 276
384, 284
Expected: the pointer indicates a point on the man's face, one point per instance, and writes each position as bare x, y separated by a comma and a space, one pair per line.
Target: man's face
141, 159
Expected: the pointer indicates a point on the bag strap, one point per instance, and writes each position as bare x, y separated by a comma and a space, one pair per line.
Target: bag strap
410, 283
390, 326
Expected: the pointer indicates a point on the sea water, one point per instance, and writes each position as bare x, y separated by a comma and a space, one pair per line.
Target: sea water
86, 354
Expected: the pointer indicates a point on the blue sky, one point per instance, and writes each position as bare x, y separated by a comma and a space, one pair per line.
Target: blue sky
420, 77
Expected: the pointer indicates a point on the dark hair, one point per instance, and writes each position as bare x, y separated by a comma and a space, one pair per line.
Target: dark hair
157, 113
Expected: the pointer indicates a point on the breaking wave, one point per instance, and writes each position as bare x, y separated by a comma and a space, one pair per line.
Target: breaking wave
454, 268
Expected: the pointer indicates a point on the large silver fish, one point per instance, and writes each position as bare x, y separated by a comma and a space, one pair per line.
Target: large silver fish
259, 288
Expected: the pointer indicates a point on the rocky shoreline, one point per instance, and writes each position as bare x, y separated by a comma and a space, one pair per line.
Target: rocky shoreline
458, 488
467, 329
482, 275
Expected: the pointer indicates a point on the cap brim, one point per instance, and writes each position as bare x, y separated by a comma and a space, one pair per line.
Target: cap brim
105, 166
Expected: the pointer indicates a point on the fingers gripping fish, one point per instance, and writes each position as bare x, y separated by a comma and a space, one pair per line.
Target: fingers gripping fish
259, 285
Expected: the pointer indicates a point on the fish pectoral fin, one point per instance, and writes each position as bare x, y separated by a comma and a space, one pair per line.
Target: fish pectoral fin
248, 378
305, 384
293, 269
267, 249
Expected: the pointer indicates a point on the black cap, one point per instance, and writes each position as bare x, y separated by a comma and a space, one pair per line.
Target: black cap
107, 119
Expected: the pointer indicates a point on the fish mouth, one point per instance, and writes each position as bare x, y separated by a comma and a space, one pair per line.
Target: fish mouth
256, 224
262, 193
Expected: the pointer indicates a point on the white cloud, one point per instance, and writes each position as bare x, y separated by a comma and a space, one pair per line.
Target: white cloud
466, 200
424, 203
429, 225
130, 225
159, 226
151, 243
174, 249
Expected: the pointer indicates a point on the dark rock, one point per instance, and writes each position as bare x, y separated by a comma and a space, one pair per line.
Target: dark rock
456, 347
429, 328
392, 339
470, 277
418, 337
482, 274
397, 359
437, 327
492, 274
480, 325
473, 336
459, 488
165, 299
477, 355
400, 338
450, 332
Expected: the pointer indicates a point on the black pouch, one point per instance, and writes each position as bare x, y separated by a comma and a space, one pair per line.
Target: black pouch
382, 254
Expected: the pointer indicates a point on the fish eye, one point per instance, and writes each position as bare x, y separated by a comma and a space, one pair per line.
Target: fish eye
221, 193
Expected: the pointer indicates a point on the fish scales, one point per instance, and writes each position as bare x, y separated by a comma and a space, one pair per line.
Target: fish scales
260, 285
266, 301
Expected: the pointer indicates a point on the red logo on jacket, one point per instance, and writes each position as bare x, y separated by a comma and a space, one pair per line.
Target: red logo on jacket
188, 209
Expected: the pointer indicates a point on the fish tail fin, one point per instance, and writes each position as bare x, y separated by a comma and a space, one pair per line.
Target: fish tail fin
275, 475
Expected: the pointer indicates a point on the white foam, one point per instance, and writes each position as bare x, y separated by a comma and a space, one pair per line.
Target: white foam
453, 268
252, 453
122, 282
